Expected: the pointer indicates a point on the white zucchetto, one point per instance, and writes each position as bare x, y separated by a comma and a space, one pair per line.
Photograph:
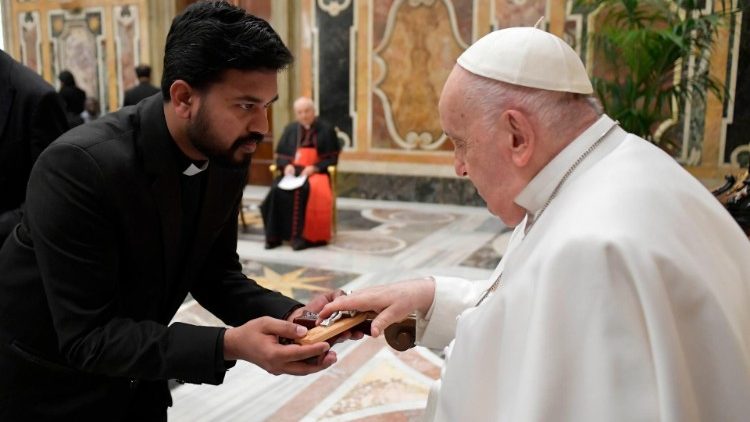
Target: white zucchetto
529, 57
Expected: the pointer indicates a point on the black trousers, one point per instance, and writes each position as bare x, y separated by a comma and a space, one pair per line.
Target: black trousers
283, 212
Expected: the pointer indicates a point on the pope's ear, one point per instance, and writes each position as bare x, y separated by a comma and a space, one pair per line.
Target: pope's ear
522, 134
182, 97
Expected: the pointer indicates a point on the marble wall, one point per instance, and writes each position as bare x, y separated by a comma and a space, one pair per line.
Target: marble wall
76, 45
414, 47
736, 115
377, 70
710, 137
434, 190
30, 40
333, 42
99, 41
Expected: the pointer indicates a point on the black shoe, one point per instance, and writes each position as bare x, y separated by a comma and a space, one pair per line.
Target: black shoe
271, 245
299, 244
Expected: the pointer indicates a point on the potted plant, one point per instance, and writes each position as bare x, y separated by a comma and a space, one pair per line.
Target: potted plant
643, 51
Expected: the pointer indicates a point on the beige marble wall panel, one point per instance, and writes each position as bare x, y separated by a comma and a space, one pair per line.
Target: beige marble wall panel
362, 78
305, 52
419, 47
80, 35
380, 10
472, 19
75, 46
30, 40
126, 20
464, 18
509, 13
711, 157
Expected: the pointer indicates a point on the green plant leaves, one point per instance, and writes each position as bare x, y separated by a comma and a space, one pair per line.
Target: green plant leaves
645, 48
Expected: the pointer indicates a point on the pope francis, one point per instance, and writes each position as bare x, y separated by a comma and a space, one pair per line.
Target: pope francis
625, 291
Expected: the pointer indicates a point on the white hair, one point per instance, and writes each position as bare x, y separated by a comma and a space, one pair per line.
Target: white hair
303, 102
553, 110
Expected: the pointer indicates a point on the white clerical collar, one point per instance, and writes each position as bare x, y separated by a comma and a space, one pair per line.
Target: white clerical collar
192, 169
537, 192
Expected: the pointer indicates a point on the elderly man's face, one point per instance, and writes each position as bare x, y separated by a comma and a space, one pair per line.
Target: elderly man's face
305, 114
480, 152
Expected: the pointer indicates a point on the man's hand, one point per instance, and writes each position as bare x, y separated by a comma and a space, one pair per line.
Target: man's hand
308, 171
289, 170
257, 341
393, 302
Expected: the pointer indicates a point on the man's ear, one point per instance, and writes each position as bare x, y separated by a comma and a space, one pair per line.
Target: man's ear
182, 97
523, 138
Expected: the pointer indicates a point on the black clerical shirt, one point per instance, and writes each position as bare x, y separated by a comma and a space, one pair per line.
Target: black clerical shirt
192, 189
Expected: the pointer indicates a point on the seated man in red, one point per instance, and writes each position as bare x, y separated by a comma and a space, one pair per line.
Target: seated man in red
303, 215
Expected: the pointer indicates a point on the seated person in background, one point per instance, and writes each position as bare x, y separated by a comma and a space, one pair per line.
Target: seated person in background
144, 88
303, 216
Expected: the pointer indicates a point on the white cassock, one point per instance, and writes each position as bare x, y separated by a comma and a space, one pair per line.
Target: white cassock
627, 300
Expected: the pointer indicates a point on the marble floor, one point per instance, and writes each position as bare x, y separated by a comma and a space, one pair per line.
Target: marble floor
377, 242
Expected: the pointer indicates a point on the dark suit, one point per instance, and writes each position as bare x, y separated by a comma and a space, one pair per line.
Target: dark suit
31, 116
90, 279
135, 94
75, 101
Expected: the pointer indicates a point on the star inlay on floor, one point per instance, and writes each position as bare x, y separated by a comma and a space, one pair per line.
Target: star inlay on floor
287, 282
293, 281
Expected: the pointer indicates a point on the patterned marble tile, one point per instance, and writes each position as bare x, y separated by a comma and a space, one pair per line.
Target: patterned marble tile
348, 220
300, 283
490, 253
373, 382
374, 230
398, 229
252, 228
437, 190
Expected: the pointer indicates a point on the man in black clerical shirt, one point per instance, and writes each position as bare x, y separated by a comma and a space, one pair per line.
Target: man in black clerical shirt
128, 214
144, 88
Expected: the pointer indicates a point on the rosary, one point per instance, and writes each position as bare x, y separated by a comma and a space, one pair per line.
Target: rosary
496, 284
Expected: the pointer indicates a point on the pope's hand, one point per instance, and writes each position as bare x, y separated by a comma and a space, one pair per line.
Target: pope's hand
317, 303
308, 171
257, 341
392, 302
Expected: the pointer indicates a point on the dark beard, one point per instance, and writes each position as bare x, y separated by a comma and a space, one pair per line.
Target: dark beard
201, 136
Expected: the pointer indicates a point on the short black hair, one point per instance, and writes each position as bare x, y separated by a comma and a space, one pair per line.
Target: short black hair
143, 71
67, 78
210, 37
